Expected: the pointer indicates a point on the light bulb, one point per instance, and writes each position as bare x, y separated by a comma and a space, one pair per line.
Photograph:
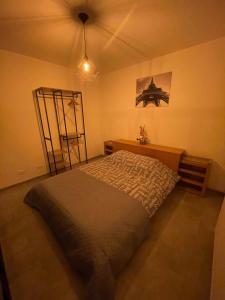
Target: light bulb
87, 69
86, 66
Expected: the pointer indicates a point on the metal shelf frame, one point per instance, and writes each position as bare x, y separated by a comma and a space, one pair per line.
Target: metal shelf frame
59, 97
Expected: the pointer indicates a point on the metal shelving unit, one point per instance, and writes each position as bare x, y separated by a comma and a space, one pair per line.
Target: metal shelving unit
61, 119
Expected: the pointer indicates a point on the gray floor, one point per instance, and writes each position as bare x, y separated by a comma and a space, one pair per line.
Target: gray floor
173, 263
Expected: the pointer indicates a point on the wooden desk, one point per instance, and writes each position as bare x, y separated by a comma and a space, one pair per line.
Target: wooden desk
168, 155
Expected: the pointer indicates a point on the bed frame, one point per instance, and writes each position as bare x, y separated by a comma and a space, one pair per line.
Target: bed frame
168, 155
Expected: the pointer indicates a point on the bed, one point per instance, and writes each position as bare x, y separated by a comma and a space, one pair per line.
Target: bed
100, 213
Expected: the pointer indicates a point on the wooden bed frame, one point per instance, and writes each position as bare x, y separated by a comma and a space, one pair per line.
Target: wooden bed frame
168, 155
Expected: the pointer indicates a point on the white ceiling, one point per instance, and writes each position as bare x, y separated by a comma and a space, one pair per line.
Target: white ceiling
119, 33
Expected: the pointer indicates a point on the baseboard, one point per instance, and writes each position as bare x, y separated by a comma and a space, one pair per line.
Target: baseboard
46, 175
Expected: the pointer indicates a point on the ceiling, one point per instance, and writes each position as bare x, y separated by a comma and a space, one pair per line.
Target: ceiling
119, 33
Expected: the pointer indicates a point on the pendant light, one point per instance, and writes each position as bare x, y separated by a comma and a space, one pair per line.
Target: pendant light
85, 66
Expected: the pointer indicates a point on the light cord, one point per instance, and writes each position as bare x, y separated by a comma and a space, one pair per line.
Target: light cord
85, 46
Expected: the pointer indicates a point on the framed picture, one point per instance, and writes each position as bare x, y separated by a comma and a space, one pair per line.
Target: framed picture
153, 90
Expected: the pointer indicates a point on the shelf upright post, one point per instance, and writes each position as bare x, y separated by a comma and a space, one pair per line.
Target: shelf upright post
64, 118
42, 128
49, 131
85, 143
75, 120
57, 121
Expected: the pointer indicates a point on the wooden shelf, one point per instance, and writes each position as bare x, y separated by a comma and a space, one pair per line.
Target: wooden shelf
191, 189
196, 161
59, 165
194, 172
108, 151
191, 181
58, 155
108, 147
71, 136
59, 162
56, 152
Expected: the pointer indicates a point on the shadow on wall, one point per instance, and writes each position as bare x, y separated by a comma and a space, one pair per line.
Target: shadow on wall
220, 171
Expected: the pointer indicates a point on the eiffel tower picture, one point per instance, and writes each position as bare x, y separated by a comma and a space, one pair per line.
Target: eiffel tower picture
154, 90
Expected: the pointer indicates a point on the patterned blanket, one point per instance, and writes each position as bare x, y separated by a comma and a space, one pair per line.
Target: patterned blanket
145, 179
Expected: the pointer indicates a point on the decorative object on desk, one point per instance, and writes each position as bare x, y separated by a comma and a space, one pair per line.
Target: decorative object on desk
143, 136
153, 90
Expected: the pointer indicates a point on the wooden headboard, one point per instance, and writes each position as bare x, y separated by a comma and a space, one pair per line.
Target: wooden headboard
168, 155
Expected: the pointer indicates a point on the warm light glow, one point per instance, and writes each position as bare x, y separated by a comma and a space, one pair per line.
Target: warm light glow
86, 66
87, 69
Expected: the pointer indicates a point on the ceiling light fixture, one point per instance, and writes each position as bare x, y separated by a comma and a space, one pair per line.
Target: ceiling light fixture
85, 65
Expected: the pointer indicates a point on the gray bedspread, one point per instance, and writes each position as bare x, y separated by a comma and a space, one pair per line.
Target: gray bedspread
100, 213
98, 226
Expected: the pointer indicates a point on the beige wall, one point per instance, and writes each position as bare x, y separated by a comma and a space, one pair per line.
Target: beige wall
218, 267
195, 118
21, 153
92, 106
